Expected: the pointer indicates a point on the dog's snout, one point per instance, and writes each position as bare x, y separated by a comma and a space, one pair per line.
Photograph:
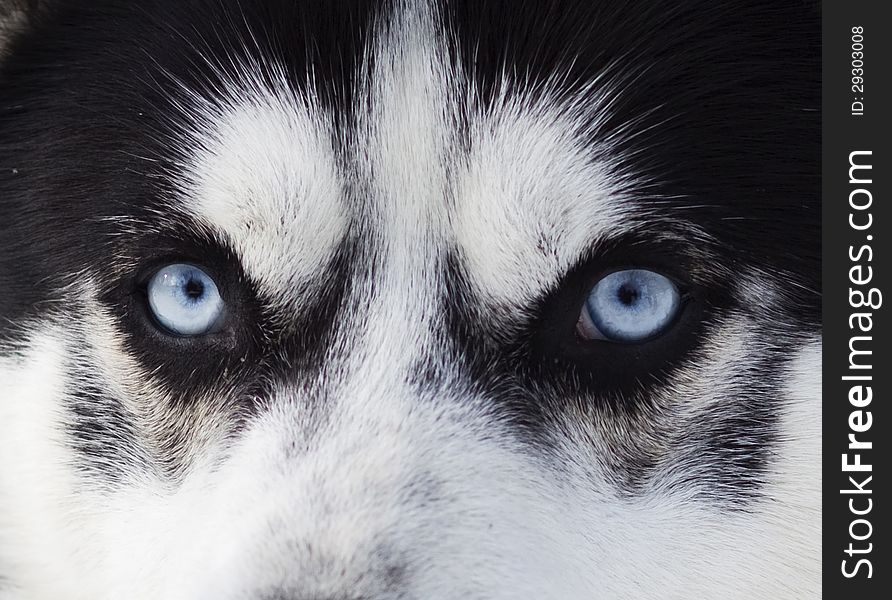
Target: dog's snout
303, 594
297, 595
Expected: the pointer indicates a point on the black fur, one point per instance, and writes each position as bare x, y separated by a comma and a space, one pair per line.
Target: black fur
725, 94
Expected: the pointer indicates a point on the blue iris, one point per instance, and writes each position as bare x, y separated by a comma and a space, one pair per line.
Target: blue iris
630, 306
184, 300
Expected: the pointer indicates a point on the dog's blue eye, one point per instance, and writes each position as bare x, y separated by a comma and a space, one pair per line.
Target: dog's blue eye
629, 306
184, 300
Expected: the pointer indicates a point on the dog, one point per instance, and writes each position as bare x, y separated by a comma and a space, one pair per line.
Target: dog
409, 299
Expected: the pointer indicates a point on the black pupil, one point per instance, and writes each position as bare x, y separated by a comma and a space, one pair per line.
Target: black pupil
194, 289
627, 294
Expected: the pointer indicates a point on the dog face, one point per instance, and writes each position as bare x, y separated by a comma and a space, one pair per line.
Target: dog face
409, 299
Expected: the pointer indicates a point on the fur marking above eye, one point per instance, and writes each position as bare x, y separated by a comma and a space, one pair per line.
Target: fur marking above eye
184, 300
631, 305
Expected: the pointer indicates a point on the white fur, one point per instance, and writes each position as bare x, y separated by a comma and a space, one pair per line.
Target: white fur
252, 523
434, 493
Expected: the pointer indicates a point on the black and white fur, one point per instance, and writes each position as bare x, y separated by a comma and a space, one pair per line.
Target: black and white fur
404, 203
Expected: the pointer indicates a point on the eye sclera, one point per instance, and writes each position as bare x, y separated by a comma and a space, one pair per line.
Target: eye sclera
629, 306
184, 300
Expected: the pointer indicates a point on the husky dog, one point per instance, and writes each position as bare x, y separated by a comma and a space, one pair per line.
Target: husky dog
409, 299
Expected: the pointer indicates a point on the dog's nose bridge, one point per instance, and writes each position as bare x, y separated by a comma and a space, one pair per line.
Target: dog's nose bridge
332, 513
402, 318
379, 480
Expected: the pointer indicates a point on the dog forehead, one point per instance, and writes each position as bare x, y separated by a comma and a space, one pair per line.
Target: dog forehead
514, 183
